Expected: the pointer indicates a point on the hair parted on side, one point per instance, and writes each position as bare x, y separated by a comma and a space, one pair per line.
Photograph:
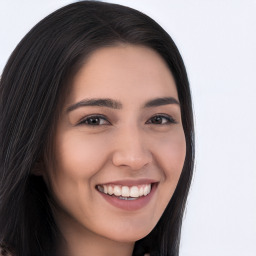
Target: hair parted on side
32, 86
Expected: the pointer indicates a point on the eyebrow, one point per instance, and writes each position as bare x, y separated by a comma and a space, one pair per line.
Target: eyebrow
109, 103
161, 101
114, 104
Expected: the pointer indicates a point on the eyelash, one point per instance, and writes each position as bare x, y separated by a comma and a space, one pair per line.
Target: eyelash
93, 117
169, 120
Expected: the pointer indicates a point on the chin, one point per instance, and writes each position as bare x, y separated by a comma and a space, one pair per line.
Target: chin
130, 235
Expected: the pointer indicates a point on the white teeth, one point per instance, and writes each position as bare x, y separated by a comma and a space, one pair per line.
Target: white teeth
117, 191
134, 191
146, 190
110, 190
101, 189
141, 192
125, 191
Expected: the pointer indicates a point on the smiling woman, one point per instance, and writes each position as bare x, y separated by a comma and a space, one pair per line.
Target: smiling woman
97, 136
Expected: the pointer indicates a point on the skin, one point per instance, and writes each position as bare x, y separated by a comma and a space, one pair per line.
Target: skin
126, 144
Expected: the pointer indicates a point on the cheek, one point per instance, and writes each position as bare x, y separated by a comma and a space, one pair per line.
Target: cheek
171, 154
80, 155
77, 159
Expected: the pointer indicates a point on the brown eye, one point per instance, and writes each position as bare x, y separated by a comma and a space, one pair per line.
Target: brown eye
157, 120
94, 121
161, 119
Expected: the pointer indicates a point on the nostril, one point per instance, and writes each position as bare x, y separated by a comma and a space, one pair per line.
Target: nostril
135, 161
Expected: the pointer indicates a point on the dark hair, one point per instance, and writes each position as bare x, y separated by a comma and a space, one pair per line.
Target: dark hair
31, 88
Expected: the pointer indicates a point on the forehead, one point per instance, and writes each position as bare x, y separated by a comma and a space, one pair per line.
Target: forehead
123, 72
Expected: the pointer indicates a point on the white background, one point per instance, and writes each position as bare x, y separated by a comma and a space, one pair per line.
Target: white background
217, 39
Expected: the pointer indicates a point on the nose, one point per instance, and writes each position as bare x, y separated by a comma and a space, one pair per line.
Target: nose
131, 149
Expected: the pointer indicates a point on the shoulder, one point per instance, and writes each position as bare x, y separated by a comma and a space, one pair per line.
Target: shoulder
5, 251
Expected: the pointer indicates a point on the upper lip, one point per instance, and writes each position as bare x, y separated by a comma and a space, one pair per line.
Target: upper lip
130, 183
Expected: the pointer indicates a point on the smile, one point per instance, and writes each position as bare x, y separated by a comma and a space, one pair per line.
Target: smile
125, 192
130, 196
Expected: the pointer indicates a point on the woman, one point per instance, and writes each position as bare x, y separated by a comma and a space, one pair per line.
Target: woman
96, 134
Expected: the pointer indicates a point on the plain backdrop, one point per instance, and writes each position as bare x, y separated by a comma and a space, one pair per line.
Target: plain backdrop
217, 39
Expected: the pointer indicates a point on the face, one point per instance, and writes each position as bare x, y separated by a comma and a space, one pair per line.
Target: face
119, 146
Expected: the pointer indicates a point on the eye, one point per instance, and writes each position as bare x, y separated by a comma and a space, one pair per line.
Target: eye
94, 120
161, 119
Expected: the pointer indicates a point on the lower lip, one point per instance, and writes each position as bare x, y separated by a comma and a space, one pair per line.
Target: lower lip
130, 205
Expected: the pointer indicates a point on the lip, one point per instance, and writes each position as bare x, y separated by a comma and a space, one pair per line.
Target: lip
130, 205
130, 183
